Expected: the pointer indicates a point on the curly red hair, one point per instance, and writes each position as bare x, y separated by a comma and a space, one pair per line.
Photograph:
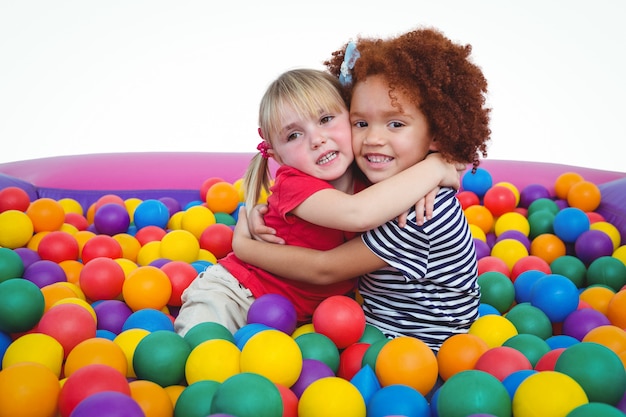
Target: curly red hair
439, 78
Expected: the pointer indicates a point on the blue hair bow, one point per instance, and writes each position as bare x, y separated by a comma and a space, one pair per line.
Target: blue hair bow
349, 59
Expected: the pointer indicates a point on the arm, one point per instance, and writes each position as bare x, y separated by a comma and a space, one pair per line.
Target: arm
306, 265
380, 202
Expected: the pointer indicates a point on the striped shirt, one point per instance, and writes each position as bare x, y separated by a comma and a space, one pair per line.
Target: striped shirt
430, 288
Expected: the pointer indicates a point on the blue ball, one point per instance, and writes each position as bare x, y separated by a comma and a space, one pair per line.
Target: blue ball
513, 381
148, 319
555, 295
151, 213
561, 341
570, 223
524, 283
478, 182
399, 400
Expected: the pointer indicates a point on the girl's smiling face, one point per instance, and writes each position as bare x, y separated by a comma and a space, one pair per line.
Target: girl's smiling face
387, 136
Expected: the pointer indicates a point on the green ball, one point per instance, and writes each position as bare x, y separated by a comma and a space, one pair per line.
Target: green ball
371, 354
543, 204
529, 319
531, 346
160, 357
540, 222
11, 265
595, 410
597, 369
21, 305
208, 330
196, 399
570, 267
320, 347
472, 392
608, 271
371, 334
248, 395
497, 290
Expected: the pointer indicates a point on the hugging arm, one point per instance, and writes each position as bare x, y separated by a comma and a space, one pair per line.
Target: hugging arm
344, 262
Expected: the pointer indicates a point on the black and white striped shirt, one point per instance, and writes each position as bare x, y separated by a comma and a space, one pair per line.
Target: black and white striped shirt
430, 288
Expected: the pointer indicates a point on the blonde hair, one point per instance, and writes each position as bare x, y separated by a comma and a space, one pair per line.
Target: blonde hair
303, 91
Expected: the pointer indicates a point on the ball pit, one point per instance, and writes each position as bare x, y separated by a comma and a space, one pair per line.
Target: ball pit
118, 237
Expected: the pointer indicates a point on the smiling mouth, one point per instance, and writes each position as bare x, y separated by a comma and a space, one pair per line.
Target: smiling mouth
326, 158
378, 159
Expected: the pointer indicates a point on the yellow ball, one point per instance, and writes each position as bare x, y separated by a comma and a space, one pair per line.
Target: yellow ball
180, 245
493, 329
215, 360
512, 221
205, 255
175, 221
129, 244
149, 252
305, 328
610, 230
548, 394
96, 350
128, 341
274, 355
147, 287
16, 229
127, 265
620, 253
197, 218
131, 204
28, 389
331, 397
152, 398
71, 206
510, 251
477, 233
35, 347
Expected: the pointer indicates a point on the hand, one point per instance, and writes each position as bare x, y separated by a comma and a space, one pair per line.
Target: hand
425, 207
257, 228
453, 171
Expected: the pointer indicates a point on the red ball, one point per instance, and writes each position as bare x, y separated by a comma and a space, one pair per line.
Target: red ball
69, 324
102, 279
13, 198
77, 220
149, 233
351, 359
89, 380
502, 361
467, 199
217, 239
341, 319
58, 246
527, 263
101, 246
499, 200
492, 264
548, 360
181, 274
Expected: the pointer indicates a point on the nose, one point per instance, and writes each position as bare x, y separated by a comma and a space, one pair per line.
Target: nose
318, 139
372, 136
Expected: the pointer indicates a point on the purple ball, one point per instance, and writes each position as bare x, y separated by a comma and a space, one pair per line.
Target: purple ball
517, 235
44, 272
592, 245
581, 321
312, 370
275, 311
28, 256
112, 314
173, 206
108, 404
111, 219
531, 193
482, 248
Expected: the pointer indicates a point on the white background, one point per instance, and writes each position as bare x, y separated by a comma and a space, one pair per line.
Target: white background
88, 76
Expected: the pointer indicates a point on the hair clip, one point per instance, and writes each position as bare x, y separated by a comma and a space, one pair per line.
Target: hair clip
349, 59
263, 147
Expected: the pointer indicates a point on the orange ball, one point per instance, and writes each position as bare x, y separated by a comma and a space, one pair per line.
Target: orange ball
548, 247
96, 350
616, 309
458, 353
46, 214
408, 361
479, 216
152, 398
28, 389
147, 287
610, 336
222, 197
584, 195
564, 182
598, 297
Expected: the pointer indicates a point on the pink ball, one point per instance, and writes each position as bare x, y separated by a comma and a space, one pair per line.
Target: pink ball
69, 324
502, 361
341, 319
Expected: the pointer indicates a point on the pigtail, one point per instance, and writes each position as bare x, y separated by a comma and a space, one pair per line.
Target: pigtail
256, 180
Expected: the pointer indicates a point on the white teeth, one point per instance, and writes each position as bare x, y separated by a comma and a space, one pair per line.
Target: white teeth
378, 158
327, 158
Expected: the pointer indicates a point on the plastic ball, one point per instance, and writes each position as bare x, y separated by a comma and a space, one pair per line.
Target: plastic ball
102, 279
101, 246
180, 245
147, 287
570, 223
35, 347
615, 310
151, 213
610, 336
160, 357
274, 355
555, 295
319, 347
480, 216
274, 310
482, 249
597, 369
217, 239
16, 229
106, 404
215, 360
496, 289
571, 267
531, 346
111, 315
111, 219
607, 270
21, 305
477, 182
540, 222
371, 354
13, 198
471, 392
467, 199
531, 193
611, 230
372, 334
196, 219
207, 330
290, 402
510, 251
513, 381
44, 273
409, 361
493, 329
222, 197
58, 246
547, 394
528, 319
195, 399
96, 351
477, 233
28, 389
244, 333
181, 275
527, 263
312, 370
547, 361
548, 247
46, 214
173, 205
128, 340
501, 361
88, 381
152, 398
512, 221
331, 397
247, 395
150, 234
351, 359
564, 182
69, 324
397, 400
584, 195
561, 341
340, 318
594, 410
499, 200
592, 245
13, 262
543, 204
459, 353
493, 264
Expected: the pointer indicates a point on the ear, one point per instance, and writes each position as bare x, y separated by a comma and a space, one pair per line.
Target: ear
272, 154
434, 145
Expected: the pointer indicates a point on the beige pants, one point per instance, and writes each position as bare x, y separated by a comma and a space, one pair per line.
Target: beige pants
215, 295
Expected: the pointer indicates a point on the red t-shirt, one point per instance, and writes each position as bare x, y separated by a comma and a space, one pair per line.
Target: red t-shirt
291, 188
